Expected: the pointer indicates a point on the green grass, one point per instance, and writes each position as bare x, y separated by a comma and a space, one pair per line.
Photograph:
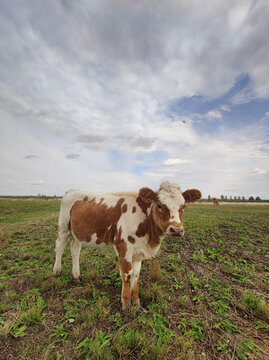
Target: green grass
205, 296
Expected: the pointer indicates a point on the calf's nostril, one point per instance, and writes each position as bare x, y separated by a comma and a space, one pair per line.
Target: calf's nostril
176, 230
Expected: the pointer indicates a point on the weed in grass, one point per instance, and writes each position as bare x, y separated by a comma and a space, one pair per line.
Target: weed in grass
32, 307
245, 347
200, 257
4, 233
194, 282
77, 330
116, 319
223, 346
52, 284
10, 297
227, 326
255, 305
95, 349
192, 329
198, 298
261, 325
155, 270
59, 334
152, 293
176, 285
181, 299
159, 326
220, 307
17, 330
183, 349
5, 328
127, 340
3, 285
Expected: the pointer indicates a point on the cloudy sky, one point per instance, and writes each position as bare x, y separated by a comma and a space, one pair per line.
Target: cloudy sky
116, 95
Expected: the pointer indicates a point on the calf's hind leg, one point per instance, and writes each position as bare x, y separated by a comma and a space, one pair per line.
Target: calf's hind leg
59, 249
75, 247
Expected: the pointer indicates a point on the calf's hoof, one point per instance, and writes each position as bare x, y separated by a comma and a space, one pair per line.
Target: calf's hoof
77, 280
56, 273
136, 301
125, 304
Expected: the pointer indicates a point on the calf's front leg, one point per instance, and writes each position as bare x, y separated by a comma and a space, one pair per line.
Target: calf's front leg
126, 272
134, 282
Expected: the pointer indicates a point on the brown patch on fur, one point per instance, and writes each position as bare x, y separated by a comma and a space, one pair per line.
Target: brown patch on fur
145, 198
161, 216
143, 206
181, 211
131, 239
125, 266
192, 195
124, 208
149, 226
121, 248
147, 195
135, 293
88, 218
85, 198
155, 231
142, 229
134, 210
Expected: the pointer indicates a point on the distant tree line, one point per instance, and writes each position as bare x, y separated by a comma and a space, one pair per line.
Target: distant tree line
38, 196
236, 198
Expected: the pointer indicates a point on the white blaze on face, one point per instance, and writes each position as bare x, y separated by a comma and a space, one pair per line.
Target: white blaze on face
170, 195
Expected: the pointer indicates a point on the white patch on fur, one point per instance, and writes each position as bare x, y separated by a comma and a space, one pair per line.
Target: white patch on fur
171, 195
128, 275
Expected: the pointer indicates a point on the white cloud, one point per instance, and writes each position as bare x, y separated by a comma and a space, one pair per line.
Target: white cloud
173, 162
214, 115
259, 171
37, 182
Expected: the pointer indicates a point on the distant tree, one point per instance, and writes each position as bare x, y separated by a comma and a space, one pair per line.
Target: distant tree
238, 198
225, 197
39, 195
209, 197
234, 197
251, 198
258, 198
243, 198
231, 198
221, 197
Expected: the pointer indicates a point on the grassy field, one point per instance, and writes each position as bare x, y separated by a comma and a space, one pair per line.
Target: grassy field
204, 297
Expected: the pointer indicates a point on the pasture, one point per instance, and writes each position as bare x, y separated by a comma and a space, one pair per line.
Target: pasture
204, 296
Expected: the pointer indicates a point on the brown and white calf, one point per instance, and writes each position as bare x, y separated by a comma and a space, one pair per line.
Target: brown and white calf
215, 201
134, 224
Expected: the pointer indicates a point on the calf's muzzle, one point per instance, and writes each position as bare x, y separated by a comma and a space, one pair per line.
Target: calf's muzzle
175, 230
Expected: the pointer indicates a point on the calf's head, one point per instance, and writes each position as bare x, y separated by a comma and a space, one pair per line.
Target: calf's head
167, 206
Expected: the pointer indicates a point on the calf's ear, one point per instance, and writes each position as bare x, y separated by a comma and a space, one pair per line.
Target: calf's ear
192, 195
147, 195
